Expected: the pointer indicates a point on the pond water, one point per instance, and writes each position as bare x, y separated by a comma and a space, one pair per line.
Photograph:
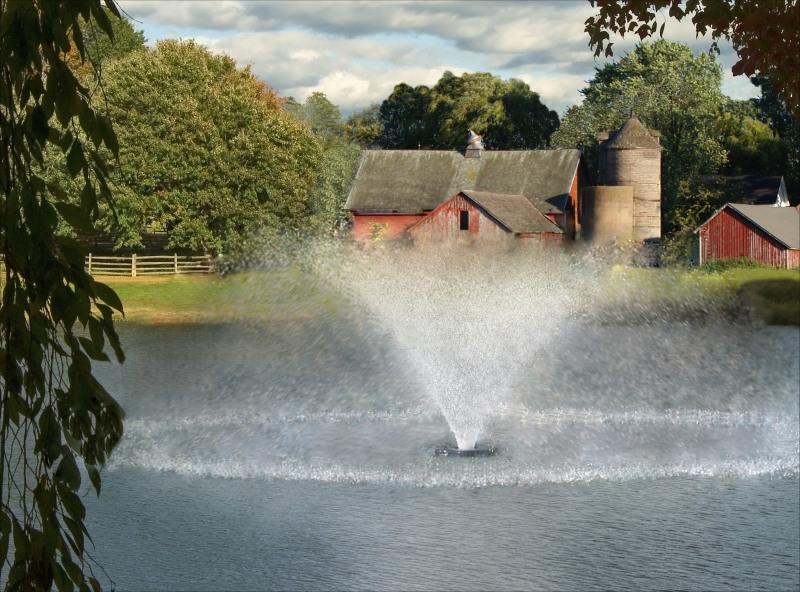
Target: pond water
299, 455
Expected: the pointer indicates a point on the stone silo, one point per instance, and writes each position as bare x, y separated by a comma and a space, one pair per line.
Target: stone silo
631, 157
607, 214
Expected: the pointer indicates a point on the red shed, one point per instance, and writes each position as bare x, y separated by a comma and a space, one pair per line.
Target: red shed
483, 217
768, 234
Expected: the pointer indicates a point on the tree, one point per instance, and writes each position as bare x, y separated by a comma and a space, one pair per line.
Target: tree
774, 111
335, 174
672, 91
506, 112
364, 127
752, 147
99, 46
764, 33
207, 152
404, 118
338, 163
320, 115
55, 319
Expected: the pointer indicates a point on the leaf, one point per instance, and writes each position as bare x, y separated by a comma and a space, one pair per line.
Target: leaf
108, 295
91, 350
94, 477
68, 472
75, 159
74, 215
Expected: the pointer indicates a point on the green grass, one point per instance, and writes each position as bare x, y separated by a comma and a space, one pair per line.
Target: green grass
771, 294
259, 296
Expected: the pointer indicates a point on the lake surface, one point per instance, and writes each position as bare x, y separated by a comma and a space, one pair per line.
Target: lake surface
298, 455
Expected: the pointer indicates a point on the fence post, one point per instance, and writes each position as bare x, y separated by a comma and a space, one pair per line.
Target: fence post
133, 265
90, 264
176, 262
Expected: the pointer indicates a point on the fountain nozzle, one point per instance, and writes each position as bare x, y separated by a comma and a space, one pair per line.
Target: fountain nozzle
466, 452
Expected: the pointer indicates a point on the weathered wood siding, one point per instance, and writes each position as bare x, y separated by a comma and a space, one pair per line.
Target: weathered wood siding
384, 226
444, 223
730, 236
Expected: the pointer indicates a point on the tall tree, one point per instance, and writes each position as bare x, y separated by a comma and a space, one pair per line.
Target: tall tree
55, 319
507, 112
672, 91
364, 127
100, 46
774, 111
764, 33
319, 114
207, 152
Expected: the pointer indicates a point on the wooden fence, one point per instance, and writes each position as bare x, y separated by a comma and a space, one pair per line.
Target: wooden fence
136, 265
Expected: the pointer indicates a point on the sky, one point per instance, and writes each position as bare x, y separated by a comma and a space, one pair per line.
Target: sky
356, 52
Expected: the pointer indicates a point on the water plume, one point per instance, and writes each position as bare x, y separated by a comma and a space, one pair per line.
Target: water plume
469, 321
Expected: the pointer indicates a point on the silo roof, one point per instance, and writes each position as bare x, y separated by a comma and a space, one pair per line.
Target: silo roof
633, 134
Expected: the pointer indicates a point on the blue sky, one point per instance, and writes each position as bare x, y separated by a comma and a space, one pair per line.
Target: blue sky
355, 52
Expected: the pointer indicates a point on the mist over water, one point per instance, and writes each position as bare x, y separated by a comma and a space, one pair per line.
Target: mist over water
445, 348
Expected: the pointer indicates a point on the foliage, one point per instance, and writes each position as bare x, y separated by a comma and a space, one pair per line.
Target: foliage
751, 145
364, 127
765, 34
321, 116
773, 110
696, 200
55, 319
672, 91
335, 174
507, 113
207, 153
337, 166
99, 46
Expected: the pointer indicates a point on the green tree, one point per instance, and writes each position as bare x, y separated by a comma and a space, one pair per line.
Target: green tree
774, 111
751, 145
55, 319
764, 33
207, 153
320, 115
335, 175
507, 113
672, 91
364, 127
404, 118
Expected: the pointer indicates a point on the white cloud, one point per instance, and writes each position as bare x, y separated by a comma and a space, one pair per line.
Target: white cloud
357, 51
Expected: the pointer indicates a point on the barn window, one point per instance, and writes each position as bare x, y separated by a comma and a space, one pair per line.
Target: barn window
464, 220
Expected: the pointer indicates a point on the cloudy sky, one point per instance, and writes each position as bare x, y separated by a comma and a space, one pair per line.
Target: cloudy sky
355, 52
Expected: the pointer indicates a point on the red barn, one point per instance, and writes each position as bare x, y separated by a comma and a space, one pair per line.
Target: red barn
395, 189
768, 234
481, 217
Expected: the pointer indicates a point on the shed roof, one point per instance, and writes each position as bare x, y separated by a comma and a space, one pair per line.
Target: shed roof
412, 181
632, 134
515, 212
782, 224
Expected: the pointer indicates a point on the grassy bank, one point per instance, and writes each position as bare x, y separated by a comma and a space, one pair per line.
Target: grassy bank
770, 294
256, 296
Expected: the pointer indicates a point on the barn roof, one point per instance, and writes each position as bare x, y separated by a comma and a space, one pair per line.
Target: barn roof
782, 224
412, 181
633, 134
750, 189
515, 212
